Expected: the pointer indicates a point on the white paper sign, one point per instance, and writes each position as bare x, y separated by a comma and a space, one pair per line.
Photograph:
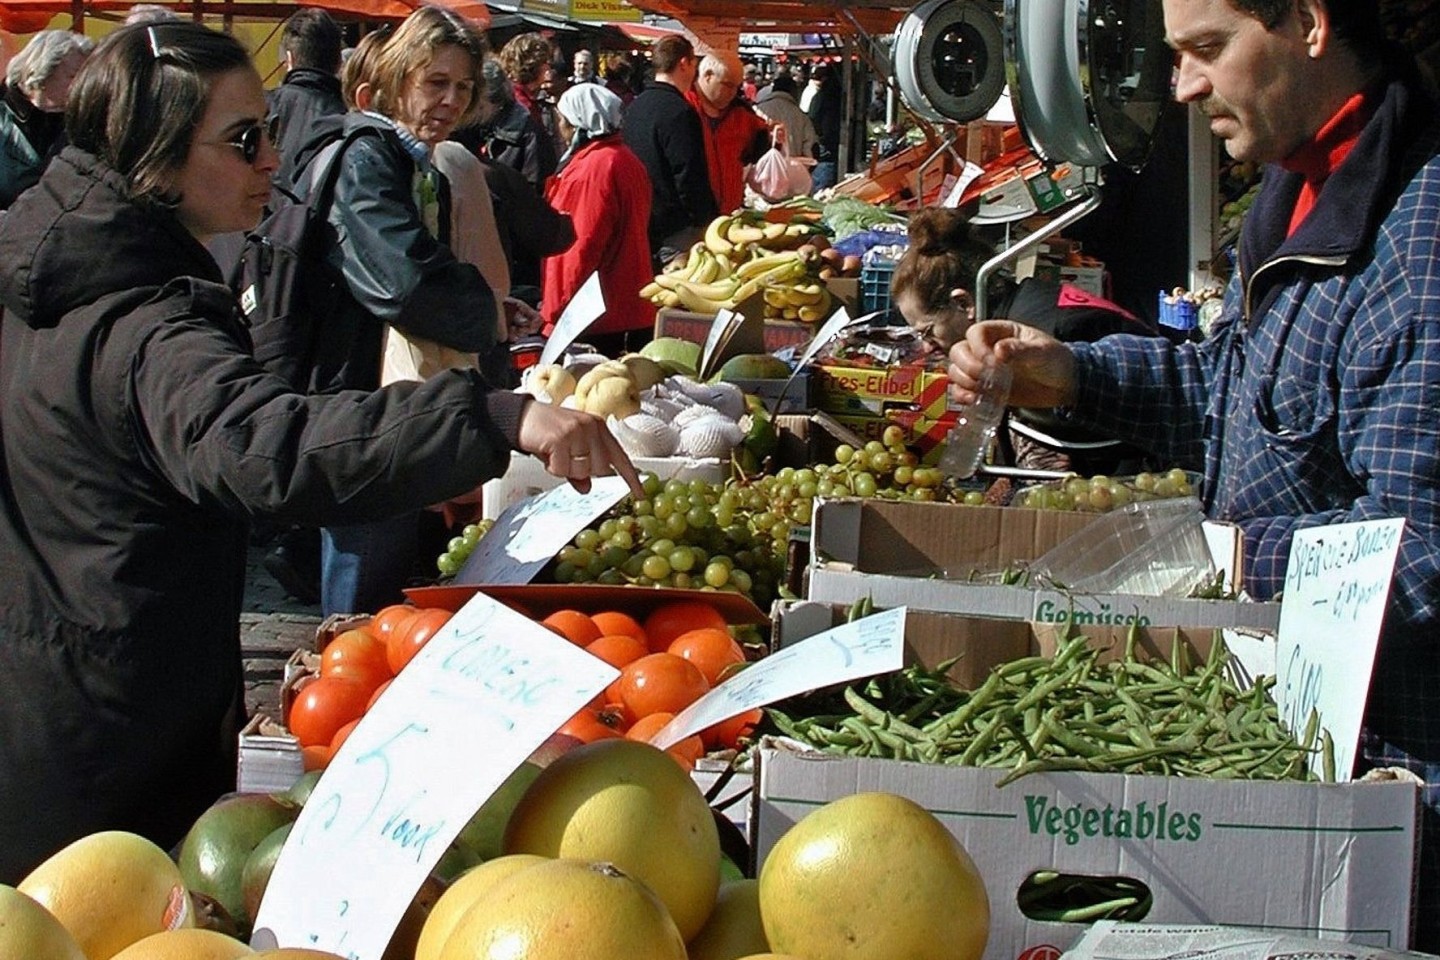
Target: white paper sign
586, 307
533, 530
962, 183
724, 320
864, 648
828, 331
1337, 585
467, 710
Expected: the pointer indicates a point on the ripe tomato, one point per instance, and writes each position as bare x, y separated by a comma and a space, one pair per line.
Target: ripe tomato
356, 655
341, 735
660, 683
668, 621
726, 734
416, 632
325, 706
591, 724
711, 649
379, 692
617, 649
686, 752
383, 624
574, 626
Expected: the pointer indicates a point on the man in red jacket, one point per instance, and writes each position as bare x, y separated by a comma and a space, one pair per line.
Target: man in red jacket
735, 135
605, 190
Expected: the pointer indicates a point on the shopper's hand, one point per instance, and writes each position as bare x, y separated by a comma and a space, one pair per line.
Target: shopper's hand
521, 319
575, 445
1043, 368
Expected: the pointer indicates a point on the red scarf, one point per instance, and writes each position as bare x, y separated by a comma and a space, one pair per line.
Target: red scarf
1316, 160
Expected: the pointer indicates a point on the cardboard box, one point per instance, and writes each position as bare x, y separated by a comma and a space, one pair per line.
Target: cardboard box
876, 390
1330, 860
695, 327
923, 435
793, 395
527, 476
923, 555
846, 291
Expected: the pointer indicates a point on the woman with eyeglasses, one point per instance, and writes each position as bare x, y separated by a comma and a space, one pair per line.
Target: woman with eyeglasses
933, 290
139, 438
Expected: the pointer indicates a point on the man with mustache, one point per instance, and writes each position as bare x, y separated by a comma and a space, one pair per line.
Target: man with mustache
1313, 399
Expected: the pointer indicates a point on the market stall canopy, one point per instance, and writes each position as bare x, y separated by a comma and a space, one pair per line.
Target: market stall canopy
27, 16
809, 16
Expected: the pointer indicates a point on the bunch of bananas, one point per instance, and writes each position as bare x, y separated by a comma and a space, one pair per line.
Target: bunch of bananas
742, 256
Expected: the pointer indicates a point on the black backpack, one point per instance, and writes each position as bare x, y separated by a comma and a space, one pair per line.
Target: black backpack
286, 288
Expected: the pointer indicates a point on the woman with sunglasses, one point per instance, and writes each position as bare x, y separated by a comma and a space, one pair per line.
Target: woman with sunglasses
139, 438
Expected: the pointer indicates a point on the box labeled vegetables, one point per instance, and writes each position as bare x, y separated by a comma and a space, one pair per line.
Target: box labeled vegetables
1327, 860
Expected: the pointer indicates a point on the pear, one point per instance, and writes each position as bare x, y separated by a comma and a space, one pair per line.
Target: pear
616, 396
554, 381
645, 371
608, 370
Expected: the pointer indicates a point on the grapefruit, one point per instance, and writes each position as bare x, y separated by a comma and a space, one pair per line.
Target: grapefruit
186, 945
461, 896
214, 851
30, 931
626, 803
873, 876
567, 910
734, 929
110, 889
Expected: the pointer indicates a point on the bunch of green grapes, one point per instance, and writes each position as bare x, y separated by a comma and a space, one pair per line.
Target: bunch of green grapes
684, 533
458, 550
1100, 494
883, 468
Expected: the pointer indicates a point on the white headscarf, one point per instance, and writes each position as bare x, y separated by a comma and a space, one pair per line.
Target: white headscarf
591, 109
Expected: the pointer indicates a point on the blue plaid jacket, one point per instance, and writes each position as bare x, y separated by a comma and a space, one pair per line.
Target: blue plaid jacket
1316, 398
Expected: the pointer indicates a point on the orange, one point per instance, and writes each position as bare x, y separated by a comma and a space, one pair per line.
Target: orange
566, 910
873, 876
669, 620
712, 649
613, 621
618, 649
574, 626
660, 683
629, 804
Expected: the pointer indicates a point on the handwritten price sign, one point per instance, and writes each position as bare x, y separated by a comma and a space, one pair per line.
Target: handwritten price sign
864, 648
471, 706
1337, 585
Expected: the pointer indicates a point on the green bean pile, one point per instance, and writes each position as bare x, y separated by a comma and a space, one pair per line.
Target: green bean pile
1070, 712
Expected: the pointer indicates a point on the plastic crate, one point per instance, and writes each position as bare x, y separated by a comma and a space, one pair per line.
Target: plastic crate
875, 277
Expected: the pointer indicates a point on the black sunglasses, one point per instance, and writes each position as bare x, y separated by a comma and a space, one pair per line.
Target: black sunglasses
248, 140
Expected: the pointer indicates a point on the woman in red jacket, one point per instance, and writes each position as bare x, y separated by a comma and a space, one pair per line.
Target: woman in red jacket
605, 190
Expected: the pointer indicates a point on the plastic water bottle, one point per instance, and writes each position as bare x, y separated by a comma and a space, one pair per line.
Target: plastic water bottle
976, 424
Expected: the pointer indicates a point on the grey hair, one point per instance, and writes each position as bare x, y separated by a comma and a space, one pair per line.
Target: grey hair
33, 65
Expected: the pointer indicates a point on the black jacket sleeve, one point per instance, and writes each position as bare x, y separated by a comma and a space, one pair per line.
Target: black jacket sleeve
393, 267
684, 148
535, 228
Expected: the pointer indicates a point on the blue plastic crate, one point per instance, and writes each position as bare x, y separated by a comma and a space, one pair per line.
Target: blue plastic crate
875, 278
